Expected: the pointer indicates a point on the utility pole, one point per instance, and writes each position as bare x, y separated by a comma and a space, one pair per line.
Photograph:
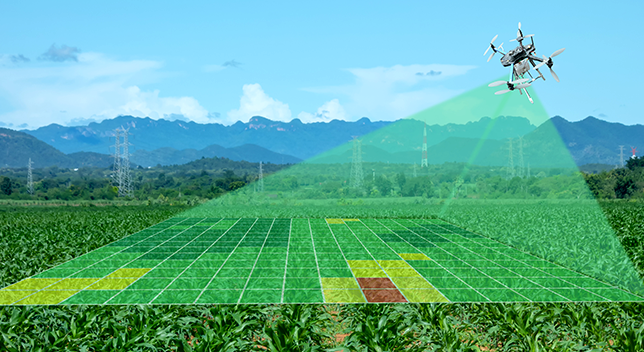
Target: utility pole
30, 179
260, 179
356, 165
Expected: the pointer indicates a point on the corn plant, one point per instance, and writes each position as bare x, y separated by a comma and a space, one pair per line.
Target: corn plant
297, 327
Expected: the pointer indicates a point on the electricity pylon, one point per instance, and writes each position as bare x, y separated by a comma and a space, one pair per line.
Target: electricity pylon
260, 179
30, 179
356, 165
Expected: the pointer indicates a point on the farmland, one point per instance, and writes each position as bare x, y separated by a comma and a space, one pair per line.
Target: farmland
463, 326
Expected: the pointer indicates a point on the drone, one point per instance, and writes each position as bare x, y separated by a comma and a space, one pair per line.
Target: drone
520, 59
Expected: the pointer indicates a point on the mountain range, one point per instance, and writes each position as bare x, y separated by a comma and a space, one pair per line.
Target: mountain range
177, 142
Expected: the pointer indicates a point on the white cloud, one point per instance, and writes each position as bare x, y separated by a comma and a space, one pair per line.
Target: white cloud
390, 93
96, 87
331, 110
255, 102
140, 103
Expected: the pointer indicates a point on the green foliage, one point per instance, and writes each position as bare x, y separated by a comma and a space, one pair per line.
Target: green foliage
423, 327
297, 327
33, 239
382, 327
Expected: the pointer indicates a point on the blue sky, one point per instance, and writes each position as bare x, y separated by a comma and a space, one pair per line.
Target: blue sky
70, 62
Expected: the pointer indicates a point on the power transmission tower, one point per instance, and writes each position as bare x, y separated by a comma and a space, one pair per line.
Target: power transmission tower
511, 171
356, 165
260, 179
30, 179
423, 160
621, 156
116, 173
521, 165
528, 170
126, 176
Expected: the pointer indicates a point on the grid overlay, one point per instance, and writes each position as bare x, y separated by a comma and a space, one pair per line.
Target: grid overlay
250, 260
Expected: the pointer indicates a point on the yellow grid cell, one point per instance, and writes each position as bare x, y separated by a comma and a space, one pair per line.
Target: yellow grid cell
112, 284
31, 284
72, 284
47, 297
423, 296
364, 264
334, 221
413, 256
129, 272
368, 273
395, 264
411, 282
343, 296
351, 219
339, 282
402, 273
9, 297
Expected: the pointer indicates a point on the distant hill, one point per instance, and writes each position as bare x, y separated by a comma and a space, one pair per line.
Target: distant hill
594, 141
246, 152
289, 138
17, 147
590, 141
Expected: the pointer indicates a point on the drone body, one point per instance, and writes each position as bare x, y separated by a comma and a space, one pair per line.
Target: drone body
521, 59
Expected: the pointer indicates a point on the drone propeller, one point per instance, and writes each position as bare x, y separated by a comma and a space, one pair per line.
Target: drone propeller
520, 38
545, 60
498, 83
520, 86
557, 52
554, 75
548, 61
491, 45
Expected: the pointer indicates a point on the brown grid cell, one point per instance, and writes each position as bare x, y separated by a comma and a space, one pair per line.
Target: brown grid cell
383, 295
375, 282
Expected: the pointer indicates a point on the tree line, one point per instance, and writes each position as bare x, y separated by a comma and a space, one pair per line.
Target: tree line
207, 179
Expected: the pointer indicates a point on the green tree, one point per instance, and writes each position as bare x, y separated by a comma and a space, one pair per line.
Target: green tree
5, 185
383, 185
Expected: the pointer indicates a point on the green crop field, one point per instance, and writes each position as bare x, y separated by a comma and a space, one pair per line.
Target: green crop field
259, 260
72, 233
